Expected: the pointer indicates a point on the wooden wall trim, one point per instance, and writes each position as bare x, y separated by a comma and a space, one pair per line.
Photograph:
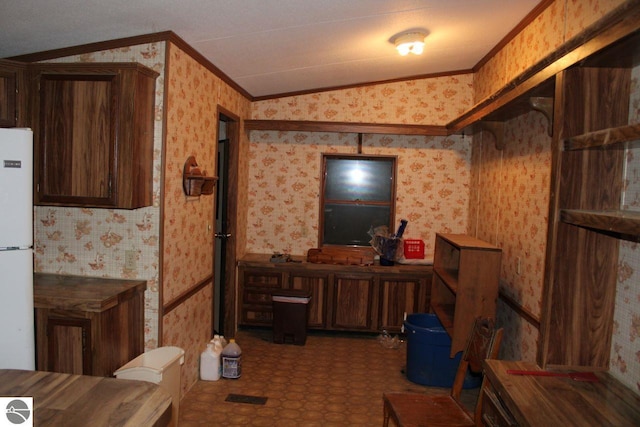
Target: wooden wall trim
93, 47
345, 127
352, 86
170, 36
166, 36
183, 297
183, 45
617, 24
520, 310
531, 16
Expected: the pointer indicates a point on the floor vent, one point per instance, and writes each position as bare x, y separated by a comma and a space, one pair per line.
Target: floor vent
243, 398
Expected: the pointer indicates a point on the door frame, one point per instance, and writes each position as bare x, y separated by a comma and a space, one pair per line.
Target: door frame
233, 135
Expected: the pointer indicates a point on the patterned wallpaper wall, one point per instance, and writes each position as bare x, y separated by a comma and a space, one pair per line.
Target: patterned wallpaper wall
193, 95
284, 185
510, 210
561, 21
434, 101
92, 242
625, 346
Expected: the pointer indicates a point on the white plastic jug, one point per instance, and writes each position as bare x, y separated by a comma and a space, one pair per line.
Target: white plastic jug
210, 364
231, 360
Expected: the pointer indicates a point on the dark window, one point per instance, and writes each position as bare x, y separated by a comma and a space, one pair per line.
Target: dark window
358, 193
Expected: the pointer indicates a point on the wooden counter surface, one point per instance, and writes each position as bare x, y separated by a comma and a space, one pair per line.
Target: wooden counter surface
299, 262
78, 400
558, 401
82, 293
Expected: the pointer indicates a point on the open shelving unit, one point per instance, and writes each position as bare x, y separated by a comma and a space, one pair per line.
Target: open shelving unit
466, 273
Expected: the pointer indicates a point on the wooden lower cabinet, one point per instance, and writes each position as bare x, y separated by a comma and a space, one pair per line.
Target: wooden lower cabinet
258, 284
345, 298
87, 326
317, 285
353, 303
399, 297
68, 348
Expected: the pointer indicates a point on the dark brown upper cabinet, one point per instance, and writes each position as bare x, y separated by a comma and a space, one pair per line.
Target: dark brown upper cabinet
93, 134
12, 93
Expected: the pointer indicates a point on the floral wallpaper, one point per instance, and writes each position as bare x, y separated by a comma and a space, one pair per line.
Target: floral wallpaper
92, 242
625, 347
432, 101
193, 96
511, 211
561, 21
284, 185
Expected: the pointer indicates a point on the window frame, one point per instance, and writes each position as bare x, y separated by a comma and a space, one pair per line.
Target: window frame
391, 202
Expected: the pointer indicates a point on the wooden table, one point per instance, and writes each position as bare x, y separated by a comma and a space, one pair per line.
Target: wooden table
78, 400
558, 401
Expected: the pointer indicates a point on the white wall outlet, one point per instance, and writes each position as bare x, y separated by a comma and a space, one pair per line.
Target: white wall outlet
130, 262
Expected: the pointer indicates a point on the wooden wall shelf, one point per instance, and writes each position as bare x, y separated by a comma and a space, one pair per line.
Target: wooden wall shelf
603, 138
194, 181
344, 127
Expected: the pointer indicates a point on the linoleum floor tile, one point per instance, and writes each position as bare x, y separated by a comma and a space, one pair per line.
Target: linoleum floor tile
333, 380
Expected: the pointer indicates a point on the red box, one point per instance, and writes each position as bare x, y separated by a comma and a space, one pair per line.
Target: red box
413, 249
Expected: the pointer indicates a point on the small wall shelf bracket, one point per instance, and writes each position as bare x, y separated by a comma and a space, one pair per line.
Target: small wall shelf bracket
194, 181
497, 130
545, 106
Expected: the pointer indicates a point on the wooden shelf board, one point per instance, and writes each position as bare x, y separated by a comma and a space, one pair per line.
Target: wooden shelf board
345, 127
463, 241
624, 222
445, 314
449, 278
603, 138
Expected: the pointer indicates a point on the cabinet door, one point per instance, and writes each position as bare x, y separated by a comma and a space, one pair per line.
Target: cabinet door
69, 346
93, 134
353, 301
317, 285
8, 106
400, 297
77, 139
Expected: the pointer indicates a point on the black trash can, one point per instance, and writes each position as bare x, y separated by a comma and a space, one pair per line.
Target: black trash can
290, 315
428, 348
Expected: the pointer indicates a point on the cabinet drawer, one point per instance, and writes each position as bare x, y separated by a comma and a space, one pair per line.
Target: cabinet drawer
252, 296
494, 414
262, 280
257, 315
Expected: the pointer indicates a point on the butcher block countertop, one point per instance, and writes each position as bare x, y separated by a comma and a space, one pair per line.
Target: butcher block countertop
556, 401
82, 293
79, 400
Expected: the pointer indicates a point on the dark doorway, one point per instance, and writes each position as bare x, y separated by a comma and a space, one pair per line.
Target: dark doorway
226, 209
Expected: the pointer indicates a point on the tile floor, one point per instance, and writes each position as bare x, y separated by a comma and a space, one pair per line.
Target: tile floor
333, 380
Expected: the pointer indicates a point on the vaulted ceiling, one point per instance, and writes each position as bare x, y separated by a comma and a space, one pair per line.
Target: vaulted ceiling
271, 47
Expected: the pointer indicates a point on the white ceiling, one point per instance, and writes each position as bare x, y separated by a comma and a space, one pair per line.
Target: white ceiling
278, 46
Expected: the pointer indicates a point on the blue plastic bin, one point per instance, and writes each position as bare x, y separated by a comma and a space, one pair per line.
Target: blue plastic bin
428, 348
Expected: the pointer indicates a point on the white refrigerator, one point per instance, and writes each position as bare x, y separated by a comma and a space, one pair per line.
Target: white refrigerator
17, 333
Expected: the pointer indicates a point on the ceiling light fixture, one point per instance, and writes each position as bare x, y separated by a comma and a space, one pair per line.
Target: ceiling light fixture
411, 42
